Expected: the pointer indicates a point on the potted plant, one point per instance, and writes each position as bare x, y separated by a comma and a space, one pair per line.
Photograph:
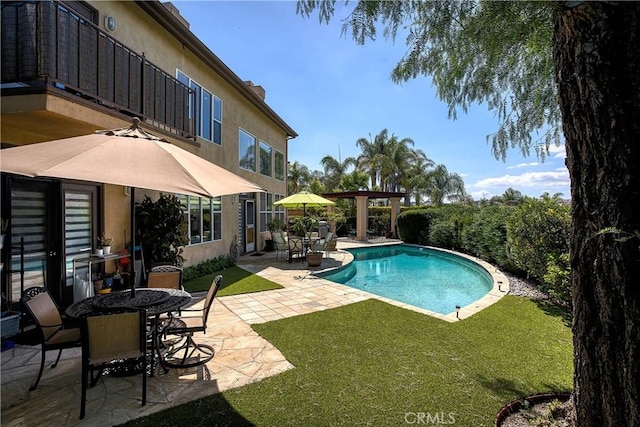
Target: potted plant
98, 283
162, 229
105, 244
304, 226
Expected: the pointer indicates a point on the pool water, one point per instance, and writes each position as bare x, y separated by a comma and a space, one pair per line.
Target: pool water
422, 277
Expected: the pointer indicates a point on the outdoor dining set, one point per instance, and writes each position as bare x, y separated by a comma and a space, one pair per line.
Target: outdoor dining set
127, 332
299, 247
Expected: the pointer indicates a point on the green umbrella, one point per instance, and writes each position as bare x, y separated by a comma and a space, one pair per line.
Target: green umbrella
304, 199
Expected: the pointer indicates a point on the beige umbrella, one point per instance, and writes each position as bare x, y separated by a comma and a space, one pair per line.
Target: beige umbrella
129, 157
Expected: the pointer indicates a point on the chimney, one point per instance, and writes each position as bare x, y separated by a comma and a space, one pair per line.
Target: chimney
175, 12
257, 89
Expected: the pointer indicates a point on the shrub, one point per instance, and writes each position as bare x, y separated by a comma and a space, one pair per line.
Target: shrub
486, 236
381, 223
442, 234
458, 217
557, 279
413, 226
537, 229
207, 267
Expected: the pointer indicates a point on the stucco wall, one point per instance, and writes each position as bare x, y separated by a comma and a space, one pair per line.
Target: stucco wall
141, 33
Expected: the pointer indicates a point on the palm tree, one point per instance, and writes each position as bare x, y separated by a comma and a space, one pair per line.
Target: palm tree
370, 158
512, 196
443, 184
395, 161
298, 178
416, 179
334, 170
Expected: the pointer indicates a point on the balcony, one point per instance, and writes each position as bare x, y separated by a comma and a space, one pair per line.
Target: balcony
47, 48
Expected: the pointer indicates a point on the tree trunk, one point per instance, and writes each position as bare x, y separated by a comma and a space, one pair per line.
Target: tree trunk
597, 56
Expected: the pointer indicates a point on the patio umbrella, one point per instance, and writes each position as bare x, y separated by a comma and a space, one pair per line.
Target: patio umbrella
129, 157
304, 199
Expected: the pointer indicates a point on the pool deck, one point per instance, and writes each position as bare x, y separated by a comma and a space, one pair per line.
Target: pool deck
242, 356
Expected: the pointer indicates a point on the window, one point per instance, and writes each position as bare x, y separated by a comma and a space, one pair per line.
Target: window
279, 166
265, 158
217, 120
203, 217
205, 111
279, 210
266, 207
195, 220
247, 151
79, 231
84, 10
268, 211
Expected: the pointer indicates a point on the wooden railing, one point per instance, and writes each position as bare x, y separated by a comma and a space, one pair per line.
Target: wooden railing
45, 41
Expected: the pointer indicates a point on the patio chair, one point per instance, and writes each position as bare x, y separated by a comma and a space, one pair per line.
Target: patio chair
165, 276
321, 245
296, 248
190, 353
53, 334
280, 243
110, 340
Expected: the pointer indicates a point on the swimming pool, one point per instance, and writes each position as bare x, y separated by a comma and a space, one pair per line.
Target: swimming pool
422, 277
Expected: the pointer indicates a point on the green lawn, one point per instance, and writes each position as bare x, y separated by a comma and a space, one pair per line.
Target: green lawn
375, 364
235, 281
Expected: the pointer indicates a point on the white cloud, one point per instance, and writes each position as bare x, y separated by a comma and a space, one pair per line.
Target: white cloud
523, 165
482, 194
558, 152
558, 178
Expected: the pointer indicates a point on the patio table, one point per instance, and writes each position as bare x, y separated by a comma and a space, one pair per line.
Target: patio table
155, 301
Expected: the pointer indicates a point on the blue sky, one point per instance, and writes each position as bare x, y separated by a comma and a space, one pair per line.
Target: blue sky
333, 92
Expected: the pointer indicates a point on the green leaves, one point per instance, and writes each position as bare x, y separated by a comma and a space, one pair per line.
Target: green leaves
498, 53
161, 228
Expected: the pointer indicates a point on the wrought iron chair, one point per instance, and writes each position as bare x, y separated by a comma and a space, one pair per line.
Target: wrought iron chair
165, 276
296, 248
109, 340
53, 334
190, 353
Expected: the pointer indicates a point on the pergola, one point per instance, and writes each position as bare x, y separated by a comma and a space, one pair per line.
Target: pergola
362, 207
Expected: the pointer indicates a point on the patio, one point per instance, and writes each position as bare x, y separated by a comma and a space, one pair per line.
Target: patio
242, 356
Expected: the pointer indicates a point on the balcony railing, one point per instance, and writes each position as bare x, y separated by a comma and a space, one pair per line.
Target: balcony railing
43, 41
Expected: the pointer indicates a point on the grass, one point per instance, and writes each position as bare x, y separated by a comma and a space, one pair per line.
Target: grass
235, 281
375, 364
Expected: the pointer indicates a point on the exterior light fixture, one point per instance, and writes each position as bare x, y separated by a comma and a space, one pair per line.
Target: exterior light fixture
110, 23
457, 311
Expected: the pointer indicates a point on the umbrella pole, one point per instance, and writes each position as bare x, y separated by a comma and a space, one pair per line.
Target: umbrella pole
133, 242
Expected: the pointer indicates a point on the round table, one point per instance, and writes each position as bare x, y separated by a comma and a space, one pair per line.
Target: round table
154, 301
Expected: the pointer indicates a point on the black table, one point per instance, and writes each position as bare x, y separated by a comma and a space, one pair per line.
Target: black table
154, 301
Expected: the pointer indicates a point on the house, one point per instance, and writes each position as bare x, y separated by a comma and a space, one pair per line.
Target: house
70, 68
